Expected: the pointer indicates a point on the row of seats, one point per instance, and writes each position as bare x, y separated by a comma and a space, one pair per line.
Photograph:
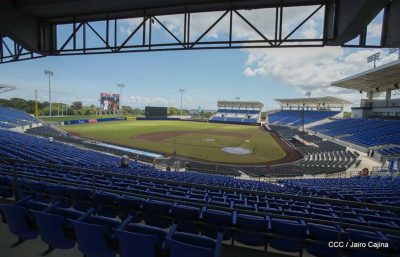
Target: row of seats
238, 111
236, 116
46, 131
295, 118
375, 190
390, 151
321, 147
340, 159
10, 118
102, 212
326, 156
25, 147
100, 236
364, 132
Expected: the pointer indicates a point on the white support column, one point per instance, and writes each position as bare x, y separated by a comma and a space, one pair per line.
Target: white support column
388, 95
370, 95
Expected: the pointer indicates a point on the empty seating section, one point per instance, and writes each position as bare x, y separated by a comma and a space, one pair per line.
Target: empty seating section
339, 159
321, 156
236, 116
178, 220
295, 117
10, 118
376, 190
25, 147
46, 131
364, 132
391, 151
70, 196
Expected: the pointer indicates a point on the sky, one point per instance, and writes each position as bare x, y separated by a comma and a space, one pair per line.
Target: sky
154, 78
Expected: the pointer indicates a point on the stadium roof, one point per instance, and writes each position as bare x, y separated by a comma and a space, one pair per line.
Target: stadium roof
6, 88
313, 101
379, 79
240, 104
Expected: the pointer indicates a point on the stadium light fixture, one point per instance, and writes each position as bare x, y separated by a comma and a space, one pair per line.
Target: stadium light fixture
373, 58
121, 86
49, 73
393, 50
181, 90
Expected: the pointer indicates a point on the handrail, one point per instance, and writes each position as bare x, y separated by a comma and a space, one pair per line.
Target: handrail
222, 188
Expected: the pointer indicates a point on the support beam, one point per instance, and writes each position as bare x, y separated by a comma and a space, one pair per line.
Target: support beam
352, 18
29, 31
390, 29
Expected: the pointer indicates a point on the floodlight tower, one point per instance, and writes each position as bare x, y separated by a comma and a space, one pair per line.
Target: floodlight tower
393, 50
49, 73
373, 58
121, 86
181, 90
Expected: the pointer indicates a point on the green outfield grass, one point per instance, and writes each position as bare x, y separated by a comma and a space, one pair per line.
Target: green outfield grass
65, 118
197, 140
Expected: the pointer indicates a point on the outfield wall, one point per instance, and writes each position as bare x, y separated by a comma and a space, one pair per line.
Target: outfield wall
84, 121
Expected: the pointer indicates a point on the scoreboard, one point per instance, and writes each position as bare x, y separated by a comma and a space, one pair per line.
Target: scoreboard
152, 112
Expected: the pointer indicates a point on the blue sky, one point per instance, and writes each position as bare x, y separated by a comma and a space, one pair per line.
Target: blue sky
207, 76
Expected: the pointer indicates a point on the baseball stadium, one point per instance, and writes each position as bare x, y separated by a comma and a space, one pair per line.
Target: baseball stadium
279, 136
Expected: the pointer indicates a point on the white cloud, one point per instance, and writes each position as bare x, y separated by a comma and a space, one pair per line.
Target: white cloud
374, 30
306, 69
144, 100
311, 69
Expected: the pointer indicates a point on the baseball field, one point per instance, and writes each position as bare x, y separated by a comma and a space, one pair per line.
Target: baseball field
212, 142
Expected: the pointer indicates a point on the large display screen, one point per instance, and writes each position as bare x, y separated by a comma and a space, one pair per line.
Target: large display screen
109, 102
155, 111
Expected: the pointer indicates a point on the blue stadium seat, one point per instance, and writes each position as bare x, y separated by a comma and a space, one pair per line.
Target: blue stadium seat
93, 239
288, 228
19, 221
52, 230
254, 224
182, 244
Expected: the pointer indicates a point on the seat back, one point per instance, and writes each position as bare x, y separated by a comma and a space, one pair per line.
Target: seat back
80, 198
19, 221
159, 208
105, 204
287, 228
180, 249
91, 239
52, 230
127, 204
324, 233
252, 223
143, 245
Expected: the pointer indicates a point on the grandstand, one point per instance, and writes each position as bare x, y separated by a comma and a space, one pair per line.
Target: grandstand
374, 127
303, 111
55, 190
238, 112
11, 118
63, 194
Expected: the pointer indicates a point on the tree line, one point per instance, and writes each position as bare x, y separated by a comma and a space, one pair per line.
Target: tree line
78, 109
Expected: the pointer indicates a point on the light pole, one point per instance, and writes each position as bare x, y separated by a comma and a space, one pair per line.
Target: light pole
49, 73
181, 91
393, 50
121, 86
373, 58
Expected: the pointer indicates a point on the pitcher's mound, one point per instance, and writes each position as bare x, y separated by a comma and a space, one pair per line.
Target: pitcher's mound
236, 150
209, 139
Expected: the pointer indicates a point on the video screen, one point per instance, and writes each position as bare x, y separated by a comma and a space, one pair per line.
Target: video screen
109, 102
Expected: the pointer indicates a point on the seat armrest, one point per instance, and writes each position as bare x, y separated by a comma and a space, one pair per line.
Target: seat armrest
218, 244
